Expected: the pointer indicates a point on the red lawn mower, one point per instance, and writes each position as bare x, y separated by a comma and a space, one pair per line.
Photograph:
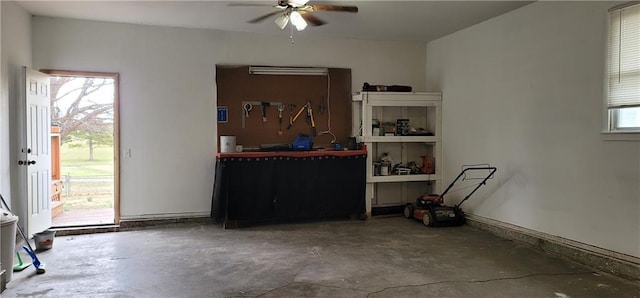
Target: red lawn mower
430, 209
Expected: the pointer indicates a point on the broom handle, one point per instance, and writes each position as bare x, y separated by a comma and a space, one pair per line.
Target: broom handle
18, 226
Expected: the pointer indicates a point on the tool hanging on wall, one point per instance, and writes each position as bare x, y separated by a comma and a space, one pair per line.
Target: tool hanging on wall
291, 107
247, 106
310, 120
265, 105
245, 112
280, 109
296, 117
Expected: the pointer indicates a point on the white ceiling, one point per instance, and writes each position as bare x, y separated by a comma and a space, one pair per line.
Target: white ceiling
376, 20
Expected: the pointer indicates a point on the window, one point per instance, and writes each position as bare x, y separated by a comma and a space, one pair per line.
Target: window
623, 100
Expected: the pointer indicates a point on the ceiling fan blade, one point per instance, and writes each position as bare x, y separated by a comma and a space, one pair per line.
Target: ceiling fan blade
264, 17
312, 19
353, 9
250, 4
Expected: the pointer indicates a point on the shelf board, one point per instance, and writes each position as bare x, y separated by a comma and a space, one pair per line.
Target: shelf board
399, 139
403, 178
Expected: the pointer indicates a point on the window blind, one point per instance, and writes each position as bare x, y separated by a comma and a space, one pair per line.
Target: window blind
624, 56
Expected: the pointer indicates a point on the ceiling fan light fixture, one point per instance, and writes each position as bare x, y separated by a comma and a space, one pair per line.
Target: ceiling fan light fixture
282, 21
298, 21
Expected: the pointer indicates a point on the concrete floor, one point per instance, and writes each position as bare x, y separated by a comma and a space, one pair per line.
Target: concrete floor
385, 257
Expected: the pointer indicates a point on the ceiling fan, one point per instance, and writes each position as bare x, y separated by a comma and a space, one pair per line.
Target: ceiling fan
298, 12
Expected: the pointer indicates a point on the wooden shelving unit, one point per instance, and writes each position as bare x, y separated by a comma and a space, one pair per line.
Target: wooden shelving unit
423, 110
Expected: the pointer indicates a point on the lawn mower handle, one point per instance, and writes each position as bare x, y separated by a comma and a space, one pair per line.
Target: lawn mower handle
484, 181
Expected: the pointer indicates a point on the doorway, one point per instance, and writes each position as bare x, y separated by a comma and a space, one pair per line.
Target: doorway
84, 146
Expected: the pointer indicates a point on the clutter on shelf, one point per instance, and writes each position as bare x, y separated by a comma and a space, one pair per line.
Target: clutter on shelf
402, 127
381, 88
385, 166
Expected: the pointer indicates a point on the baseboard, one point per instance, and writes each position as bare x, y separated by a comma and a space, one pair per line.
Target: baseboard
69, 231
622, 265
161, 216
132, 223
137, 222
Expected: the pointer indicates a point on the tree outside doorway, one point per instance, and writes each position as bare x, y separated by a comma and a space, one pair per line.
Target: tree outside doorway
83, 108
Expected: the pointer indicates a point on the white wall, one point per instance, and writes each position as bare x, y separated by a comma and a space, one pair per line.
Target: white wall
168, 93
15, 53
4, 124
524, 91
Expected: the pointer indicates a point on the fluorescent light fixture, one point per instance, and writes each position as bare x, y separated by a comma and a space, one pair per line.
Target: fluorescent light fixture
298, 21
296, 71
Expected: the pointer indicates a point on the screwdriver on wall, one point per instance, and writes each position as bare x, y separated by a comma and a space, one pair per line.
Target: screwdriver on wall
280, 109
265, 105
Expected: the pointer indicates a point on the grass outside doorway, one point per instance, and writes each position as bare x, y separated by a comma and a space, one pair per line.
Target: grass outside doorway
88, 184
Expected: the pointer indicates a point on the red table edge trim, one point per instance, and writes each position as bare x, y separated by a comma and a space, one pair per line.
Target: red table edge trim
293, 153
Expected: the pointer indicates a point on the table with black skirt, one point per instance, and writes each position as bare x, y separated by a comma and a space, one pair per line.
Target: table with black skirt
289, 186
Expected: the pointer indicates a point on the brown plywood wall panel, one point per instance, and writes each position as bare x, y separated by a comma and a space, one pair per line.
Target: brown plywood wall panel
235, 85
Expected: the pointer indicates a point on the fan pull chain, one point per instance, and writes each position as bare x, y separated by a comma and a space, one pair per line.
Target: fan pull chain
291, 33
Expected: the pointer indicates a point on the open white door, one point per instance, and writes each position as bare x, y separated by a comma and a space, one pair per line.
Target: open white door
36, 155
